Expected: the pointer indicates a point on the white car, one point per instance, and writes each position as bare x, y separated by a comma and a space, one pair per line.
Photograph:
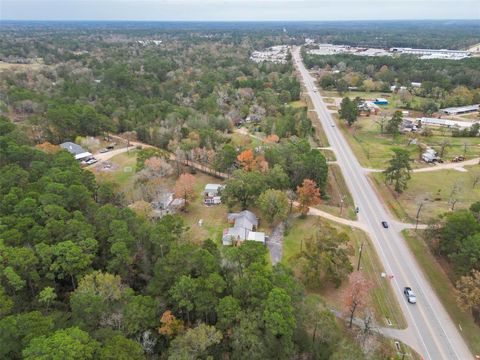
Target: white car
91, 161
410, 295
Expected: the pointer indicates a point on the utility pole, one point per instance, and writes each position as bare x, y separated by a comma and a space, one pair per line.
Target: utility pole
342, 200
360, 256
418, 214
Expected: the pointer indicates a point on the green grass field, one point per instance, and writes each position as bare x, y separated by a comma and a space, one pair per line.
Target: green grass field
437, 190
382, 300
445, 290
122, 171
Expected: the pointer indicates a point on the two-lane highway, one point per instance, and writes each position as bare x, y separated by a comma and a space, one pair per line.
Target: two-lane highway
432, 331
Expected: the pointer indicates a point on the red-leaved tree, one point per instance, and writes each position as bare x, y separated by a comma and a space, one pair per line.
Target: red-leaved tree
356, 294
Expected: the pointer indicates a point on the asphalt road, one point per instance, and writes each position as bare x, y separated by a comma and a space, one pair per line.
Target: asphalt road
432, 332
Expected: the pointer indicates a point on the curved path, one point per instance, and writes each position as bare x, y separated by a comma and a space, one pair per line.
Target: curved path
460, 166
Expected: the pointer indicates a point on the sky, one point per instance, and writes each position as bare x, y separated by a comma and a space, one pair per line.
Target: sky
238, 10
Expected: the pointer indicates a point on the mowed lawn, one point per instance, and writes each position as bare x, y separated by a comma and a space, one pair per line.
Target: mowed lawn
214, 217
382, 301
437, 190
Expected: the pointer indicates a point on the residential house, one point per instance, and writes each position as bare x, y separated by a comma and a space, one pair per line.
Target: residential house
212, 194
244, 225
167, 204
76, 150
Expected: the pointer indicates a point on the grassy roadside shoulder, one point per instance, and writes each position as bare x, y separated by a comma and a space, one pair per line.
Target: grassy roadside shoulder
382, 299
313, 116
444, 289
338, 192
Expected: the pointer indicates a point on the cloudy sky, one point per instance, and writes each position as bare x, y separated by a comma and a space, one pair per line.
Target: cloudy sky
232, 10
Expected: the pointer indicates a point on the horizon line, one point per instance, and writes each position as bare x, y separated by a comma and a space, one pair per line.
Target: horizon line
237, 21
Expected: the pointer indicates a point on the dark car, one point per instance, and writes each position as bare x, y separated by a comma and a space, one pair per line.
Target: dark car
385, 224
410, 295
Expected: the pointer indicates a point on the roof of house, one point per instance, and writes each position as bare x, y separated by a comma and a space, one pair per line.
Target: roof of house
236, 233
244, 223
249, 215
256, 236
72, 148
83, 156
212, 187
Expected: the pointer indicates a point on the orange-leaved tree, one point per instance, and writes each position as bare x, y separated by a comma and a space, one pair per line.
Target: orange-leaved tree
250, 162
171, 326
272, 138
185, 188
308, 194
247, 160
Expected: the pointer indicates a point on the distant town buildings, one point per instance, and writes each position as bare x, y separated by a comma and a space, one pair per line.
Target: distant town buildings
149, 42
330, 49
433, 53
276, 54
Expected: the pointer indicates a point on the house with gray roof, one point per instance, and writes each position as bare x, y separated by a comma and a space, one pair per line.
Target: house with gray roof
244, 225
76, 150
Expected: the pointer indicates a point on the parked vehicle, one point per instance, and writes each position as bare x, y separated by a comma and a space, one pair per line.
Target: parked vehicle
104, 150
410, 295
385, 224
91, 161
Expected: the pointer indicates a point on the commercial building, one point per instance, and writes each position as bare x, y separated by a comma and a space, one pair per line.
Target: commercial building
433, 53
461, 109
444, 122
380, 101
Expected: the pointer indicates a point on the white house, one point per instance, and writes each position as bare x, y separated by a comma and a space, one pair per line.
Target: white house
211, 194
212, 190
